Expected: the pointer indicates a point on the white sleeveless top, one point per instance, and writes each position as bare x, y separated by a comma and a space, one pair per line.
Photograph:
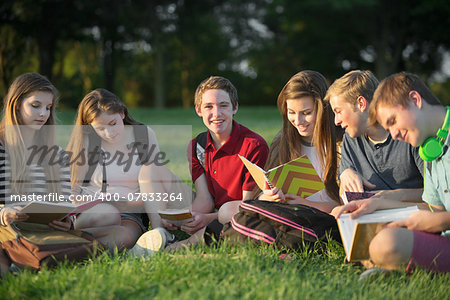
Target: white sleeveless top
311, 153
119, 180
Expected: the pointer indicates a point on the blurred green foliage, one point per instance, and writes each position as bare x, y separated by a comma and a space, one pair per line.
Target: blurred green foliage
154, 53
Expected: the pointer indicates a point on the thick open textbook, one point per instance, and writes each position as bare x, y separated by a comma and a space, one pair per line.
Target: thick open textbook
176, 216
44, 212
297, 176
356, 234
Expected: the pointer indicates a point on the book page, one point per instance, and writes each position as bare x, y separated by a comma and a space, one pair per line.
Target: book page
48, 207
177, 217
346, 228
258, 174
85, 206
387, 215
45, 212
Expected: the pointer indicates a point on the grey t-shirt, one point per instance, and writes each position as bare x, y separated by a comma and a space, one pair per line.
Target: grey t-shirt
389, 165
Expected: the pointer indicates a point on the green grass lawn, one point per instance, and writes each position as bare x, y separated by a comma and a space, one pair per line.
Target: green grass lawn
224, 272
239, 272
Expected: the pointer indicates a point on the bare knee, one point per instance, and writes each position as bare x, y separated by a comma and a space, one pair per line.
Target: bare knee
227, 211
98, 216
383, 245
107, 215
391, 247
121, 237
124, 239
129, 233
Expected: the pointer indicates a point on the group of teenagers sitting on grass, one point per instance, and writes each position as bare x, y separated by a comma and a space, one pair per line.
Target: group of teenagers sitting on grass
384, 124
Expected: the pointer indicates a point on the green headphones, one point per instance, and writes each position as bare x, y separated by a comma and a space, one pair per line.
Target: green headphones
432, 147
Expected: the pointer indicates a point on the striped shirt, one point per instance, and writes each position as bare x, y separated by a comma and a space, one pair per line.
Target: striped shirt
37, 181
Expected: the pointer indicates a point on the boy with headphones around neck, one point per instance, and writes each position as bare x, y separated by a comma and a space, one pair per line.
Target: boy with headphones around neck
405, 107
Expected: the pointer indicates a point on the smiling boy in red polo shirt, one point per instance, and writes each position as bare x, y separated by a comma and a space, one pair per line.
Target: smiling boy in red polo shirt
223, 178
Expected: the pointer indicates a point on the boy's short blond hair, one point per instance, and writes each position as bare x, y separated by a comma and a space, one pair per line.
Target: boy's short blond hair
216, 83
352, 85
394, 90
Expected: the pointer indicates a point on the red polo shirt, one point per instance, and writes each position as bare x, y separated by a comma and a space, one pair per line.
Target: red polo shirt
225, 173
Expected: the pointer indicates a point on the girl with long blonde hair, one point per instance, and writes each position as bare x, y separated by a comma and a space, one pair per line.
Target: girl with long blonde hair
25, 129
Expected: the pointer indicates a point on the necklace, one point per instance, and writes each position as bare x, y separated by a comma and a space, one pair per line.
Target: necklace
305, 143
377, 142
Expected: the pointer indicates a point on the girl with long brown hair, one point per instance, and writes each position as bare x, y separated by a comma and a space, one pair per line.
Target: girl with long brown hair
28, 116
308, 129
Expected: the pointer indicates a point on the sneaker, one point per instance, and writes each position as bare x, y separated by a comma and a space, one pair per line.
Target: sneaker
171, 238
151, 242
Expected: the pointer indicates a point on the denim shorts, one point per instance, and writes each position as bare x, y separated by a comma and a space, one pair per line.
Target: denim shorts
136, 218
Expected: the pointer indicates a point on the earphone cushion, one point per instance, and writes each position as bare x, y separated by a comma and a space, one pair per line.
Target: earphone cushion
431, 149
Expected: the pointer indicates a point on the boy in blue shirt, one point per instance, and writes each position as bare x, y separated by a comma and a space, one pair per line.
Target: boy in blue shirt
371, 159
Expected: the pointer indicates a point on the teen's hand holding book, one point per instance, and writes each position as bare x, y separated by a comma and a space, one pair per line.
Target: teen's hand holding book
200, 220
169, 226
64, 225
358, 208
351, 181
12, 214
425, 220
274, 194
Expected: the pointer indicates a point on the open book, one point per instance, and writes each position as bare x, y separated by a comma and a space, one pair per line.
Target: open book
44, 212
297, 176
176, 216
358, 233
351, 196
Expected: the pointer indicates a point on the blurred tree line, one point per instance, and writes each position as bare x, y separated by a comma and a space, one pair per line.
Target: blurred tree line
155, 53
